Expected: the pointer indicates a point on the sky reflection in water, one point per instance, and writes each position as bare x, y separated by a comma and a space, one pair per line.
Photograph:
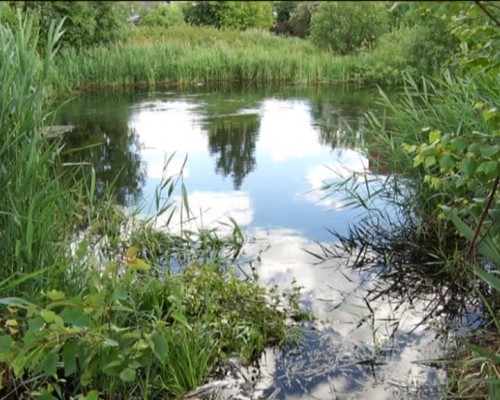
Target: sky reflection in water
262, 159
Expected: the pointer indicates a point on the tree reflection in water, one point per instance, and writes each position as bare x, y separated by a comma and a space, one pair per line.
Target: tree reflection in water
104, 140
232, 139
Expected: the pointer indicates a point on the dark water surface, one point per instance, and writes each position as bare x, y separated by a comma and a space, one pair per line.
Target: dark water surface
260, 157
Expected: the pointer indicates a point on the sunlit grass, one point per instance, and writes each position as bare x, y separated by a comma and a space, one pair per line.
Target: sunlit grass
185, 55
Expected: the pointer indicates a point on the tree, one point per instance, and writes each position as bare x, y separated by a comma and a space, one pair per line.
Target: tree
231, 14
345, 27
86, 23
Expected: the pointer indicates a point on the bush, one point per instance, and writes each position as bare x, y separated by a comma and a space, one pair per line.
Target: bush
300, 19
231, 14
346, 27
86, 23
165, 15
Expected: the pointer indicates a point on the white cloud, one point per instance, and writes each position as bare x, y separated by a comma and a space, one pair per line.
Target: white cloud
210, 209
286, 130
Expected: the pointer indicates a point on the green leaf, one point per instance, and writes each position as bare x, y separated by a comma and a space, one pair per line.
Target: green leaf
488, 114
181, 318
160, 347
55, 295
460, 143
69, 356
127, 375
434, 136
489, 168
430, 161
468, 166
92, 395
120, 293
82, 250
76, 317
110, 343
5, 342
484, 353
447, 162
49, 363
48, 316
113, 364
490, 279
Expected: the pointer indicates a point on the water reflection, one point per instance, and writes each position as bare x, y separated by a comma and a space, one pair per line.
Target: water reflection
232, 139
103, 139
358, 348
258, 157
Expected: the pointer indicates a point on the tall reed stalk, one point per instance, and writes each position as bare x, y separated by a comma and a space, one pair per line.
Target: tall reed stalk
34, 205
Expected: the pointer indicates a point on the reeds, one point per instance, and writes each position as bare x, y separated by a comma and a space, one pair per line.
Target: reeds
185, 55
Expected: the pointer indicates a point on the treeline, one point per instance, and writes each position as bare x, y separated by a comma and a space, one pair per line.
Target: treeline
390, 39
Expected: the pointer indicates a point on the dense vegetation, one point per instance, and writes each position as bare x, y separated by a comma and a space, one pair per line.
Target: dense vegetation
81, 280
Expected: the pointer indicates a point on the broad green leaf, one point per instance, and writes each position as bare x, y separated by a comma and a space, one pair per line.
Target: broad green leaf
468, 166
120, 293
5, 342
160, 347
127, 375
489, 168
474, 148
76, 317
55, 295
49, 363
35, 325
48, 316
427, 151
92, 395
490, 113
460, 143
69, 356
138, 264
430, 161
434, 135
447, 162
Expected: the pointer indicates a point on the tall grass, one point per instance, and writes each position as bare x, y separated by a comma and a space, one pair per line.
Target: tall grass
35, 207
192, 55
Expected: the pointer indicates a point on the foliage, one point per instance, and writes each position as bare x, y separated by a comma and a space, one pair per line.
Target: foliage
33, 201
86, 23
132, 324
300, 20
230, 14
346, 27
186, 54
293, 17
83, 312
163, 15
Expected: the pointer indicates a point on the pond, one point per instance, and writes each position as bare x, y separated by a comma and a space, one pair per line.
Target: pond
261, 157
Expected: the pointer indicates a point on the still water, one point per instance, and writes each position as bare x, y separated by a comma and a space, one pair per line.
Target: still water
261, 158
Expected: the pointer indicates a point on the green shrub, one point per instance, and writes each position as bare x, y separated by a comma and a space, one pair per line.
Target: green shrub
86, 23
300, 19
345, 27
163, 15
231, 14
